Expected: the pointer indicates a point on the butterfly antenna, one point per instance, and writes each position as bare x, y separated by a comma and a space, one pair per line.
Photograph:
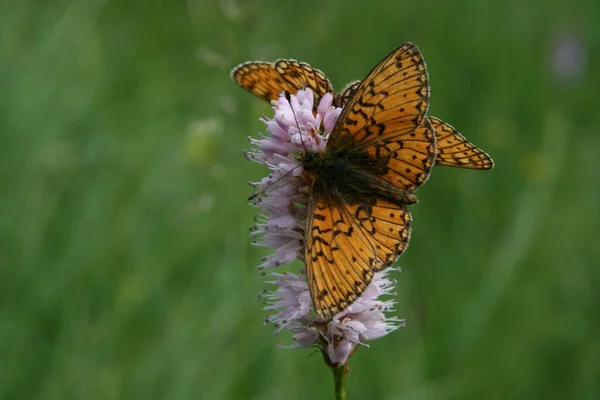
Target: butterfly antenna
264, 189
288, 97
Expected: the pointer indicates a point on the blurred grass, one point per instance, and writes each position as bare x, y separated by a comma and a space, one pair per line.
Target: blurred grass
126, 269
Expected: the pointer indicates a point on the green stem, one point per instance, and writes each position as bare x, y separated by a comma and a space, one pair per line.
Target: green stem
339, 377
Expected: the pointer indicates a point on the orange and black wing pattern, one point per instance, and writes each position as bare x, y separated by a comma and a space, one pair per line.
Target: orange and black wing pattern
301, 75
406, 162
260, 79
342, 98
347, 244
386, 118
454, 150
267, 80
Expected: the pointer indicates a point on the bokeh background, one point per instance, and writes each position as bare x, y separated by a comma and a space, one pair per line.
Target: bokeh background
126, 270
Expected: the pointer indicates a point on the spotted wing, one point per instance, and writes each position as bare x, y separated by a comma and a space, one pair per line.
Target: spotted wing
342, 98
347, 244
454, 150
266, 80
301, 75
260, 79
386, 119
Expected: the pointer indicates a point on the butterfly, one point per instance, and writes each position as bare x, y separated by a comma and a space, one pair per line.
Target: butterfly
381, 149
267, 80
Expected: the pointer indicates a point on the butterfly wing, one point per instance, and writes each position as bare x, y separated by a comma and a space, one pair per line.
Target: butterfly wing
454, 150
347, 244
267, 80
260, 79
385, 118
300, 75
342, 98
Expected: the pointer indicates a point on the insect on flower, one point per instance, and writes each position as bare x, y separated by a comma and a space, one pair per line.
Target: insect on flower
360, 177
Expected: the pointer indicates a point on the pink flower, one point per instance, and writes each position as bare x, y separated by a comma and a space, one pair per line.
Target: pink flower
282, 197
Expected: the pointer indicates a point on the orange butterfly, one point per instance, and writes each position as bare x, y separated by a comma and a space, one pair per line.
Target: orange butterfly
267, 80
381, 149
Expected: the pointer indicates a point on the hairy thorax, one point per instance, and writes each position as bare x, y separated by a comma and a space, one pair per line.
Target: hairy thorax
354, 177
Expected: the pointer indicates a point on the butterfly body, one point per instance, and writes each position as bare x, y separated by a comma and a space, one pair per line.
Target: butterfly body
352, 177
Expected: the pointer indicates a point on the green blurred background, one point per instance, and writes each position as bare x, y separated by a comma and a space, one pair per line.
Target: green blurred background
126, 270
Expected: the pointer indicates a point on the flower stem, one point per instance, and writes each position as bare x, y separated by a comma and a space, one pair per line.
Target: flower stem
339, 377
